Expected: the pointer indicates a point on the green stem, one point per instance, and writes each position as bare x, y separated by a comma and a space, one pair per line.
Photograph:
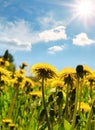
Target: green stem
0, 77
60, 113
94, 122
66, 114
76, 103
44, 104
89, 120
13, 103
80, 97
91, 90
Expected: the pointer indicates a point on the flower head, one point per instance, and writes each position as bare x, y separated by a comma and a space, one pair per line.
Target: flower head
36, 93
82, 70
57, 83
23, 65
84, 106
68, 74
44, 70
7, 121
67, 71
12, 126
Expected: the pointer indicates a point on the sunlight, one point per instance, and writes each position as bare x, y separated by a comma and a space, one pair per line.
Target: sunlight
82, 10
85, 8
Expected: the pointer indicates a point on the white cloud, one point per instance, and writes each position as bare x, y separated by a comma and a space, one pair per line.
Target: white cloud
82, 40
19, 35
48, 21
54, 49
53, 34
16, 35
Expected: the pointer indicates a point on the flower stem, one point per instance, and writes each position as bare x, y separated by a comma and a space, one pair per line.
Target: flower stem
66, 114
13, 103
76, 103
89, 120
44, 104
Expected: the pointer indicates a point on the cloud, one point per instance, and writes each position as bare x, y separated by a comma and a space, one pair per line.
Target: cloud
54, 49
48, 21
16, 35
19, 35
53, 34
82, 40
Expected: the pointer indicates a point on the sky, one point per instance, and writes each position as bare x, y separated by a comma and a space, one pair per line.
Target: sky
58, 32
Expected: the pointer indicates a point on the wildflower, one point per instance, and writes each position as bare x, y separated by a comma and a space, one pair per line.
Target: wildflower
27, 84
20, 71
36, 93
5, 72
79, 71
57, 83
12, 126
29, 81
44, 70
86, 69
84, 106
6, 121
91, 77
82, 70
4, 63
68, 74
67, 71
23, 65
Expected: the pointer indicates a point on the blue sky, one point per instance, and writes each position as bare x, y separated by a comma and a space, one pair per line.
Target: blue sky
53, 31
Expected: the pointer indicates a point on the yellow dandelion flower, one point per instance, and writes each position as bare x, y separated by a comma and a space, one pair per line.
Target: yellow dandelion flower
5, 72
11, 125
4, 63
24, 64
44, 70
67, 71
91, 77
20, 71
36, 93
5, 80
84, 106
27, 84
28, 80
86, 69
57, 83
7, 121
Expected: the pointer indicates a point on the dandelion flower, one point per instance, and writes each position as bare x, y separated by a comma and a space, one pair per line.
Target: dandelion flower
84, 106
36, 93
44, 70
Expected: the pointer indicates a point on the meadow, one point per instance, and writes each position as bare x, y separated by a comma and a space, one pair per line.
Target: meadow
48, 99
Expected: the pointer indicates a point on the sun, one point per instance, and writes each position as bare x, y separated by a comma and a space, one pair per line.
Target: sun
85, 8
81, 11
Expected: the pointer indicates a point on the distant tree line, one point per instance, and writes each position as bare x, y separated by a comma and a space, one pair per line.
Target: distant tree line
9, 57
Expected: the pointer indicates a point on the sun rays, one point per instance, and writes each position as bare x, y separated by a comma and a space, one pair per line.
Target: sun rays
82, 10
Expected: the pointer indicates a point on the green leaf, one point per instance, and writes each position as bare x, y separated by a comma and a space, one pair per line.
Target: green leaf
55, 127
67, 125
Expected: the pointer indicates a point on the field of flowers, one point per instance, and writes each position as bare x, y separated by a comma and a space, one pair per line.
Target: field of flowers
48, 99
